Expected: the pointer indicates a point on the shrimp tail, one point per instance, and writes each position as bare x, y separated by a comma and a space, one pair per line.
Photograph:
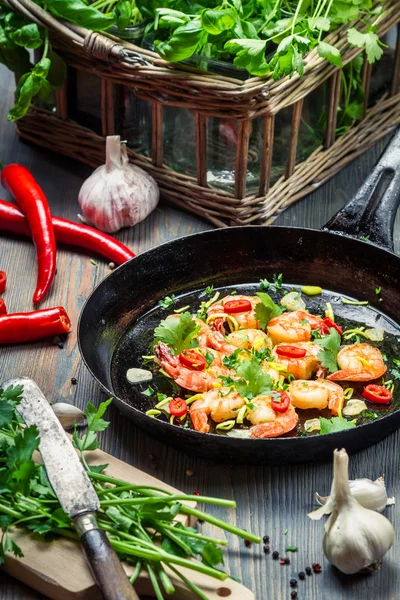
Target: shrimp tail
199, 418
164, 354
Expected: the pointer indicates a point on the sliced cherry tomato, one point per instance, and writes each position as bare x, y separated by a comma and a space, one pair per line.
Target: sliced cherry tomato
280, 402
377, 393
178, 407
329, 324
192, 360
237, 306
291, 351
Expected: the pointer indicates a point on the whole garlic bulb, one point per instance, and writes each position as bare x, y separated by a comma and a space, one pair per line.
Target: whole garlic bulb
117, 194
355, 537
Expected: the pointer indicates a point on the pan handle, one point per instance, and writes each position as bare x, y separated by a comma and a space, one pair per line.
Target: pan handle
371, 213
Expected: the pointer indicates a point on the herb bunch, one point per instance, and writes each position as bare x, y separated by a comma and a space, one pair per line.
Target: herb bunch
140, 522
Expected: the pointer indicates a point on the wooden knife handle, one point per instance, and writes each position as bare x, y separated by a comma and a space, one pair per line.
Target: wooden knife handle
105, 565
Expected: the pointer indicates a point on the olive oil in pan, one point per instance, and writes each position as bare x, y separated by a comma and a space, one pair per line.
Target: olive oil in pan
137, 342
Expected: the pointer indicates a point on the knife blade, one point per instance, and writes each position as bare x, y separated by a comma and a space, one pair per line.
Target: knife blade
74, 491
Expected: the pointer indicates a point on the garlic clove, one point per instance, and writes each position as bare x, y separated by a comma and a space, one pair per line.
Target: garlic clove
69, 415
370, 494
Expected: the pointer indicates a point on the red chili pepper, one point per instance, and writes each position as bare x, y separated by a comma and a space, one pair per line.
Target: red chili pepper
329, 324
192, 360
291, 351
31, 199
3, 281
178, 407
16, 328
67, 232
3, 308
237, 306
377, 393
281, 404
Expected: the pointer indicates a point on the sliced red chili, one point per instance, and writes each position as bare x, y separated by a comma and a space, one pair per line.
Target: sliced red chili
178, 407
237, 306
192, 360
280, 402
291, 351
3, 308
377, 393
329, 324
3, 281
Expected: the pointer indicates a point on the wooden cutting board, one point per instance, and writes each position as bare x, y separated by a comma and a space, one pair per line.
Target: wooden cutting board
58, 569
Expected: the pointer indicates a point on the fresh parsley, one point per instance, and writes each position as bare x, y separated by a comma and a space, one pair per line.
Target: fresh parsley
330, 347
334, 424
266, 309
253, 381
178, 334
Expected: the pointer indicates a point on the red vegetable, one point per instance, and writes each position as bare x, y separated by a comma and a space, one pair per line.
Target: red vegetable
30, 197
67, 232
237, 306
178, 407
3, 281
281, 404
329, 324
291, 351
377, 393
192, 360
26, 327
3, 308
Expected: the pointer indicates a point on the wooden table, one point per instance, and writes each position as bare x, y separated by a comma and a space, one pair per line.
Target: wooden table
269, 500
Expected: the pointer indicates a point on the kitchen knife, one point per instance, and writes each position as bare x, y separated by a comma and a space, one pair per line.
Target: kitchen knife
74, 491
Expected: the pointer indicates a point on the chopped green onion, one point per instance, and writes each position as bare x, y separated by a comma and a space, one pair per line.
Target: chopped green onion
94, 262
180, 310
285, 532
226, 425
241, 414
355, 302
164, 373
311, 290
291, 549
153, 413
329, 312
348, 393
163, 402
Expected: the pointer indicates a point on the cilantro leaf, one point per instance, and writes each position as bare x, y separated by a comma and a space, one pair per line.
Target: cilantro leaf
212, 555
367, 40
330, 344
334, 424
254, 380
266, 309
330, 53
93, 415
250, 54
177, 333
7, 410
395, 373
232, 361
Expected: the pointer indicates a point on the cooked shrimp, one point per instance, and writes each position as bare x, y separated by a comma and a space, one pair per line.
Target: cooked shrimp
249, 338
267, 423
216, 340
218, 404
190, 379
317, 394
359, 362
245, 319
293, 326
300, 368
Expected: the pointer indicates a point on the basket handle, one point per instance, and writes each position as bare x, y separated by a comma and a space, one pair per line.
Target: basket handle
370, 215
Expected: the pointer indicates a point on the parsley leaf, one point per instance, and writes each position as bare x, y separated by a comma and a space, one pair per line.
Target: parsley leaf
167, 302
178, 334
232, 361
367, 40
95, 424
334, 424
264, 284
266, 309
395, 373
330, 344
208, 291
250, 54
254, 380
330, 53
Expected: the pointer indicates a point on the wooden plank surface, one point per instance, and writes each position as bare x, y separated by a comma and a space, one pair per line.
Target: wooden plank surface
270, 500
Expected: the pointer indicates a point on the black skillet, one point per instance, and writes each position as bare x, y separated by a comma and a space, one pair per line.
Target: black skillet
239, 257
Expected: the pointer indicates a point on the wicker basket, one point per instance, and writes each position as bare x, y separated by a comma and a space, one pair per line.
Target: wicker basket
260, 109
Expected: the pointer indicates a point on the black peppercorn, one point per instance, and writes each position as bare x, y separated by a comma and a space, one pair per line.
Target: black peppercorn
247, 543
266, 549
73, 380
293, 594
275, 555
302, 575
308, 570
293, 583
266, 539
60, 345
